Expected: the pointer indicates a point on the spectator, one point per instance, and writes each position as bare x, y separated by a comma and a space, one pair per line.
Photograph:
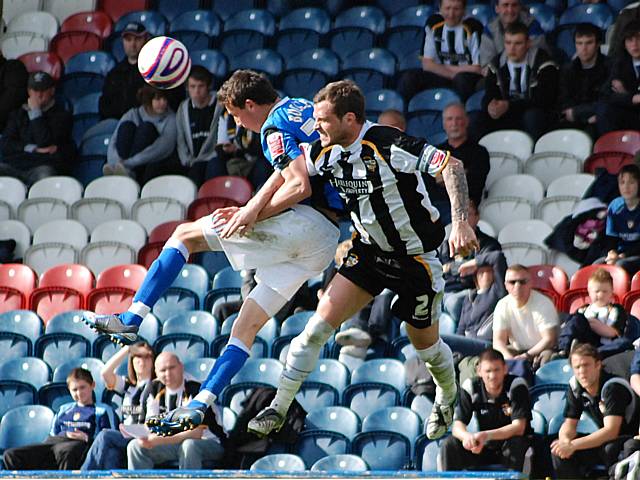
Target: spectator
502, 408
597, 323
623, 222
144, 142
582, 80
191, 448
474, 157
509, 12
13, 87
119, 93
393, 118
37, 142
608, 401
521, 87
451, 56
198, 121
109, 449
620, 106
525, 322
74, 427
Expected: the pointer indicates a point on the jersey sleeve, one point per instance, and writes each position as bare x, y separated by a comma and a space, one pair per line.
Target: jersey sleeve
280, 148
572, 407
616, 399
520, 402
464, 409
410, 154
429, 49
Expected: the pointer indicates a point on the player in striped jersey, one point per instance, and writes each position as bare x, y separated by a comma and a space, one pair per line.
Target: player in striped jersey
378, 172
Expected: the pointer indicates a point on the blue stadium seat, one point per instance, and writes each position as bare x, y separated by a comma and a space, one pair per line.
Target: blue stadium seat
25, 425
337, 419
85, 115
19, 329
281, 7
226, 8
104, 127
538, 423
324, 386
97, 145
186, 347
113, 45
585, 425
261, 345
599, 14
549, 399
14, 394
474, 102
482, 12
212, 60
422, 405
425, 111
196, 322
71, 322
378, 101
256, 372
427, 452
261, 59
544, 14
94, 365
383, 450
104, 349
309, 71
31, 370
400, 420
279, 462
226, 283
77, 85
405, 35
88, 168
96, 62
187, 292
154, 22
313, 445
356, 29
340, 463
290, 328
196, 29
172, 8
302, 29
562, 42
371, 69
394, 7
15, 345
246, 30
57, 348
556, 371
199, 368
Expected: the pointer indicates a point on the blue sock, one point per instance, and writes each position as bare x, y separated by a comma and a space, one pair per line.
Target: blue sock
162, 272
227, 365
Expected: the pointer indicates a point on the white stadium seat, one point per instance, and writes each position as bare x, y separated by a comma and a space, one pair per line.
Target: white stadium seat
99, 256
35, 212
552, 210
18, 43
522, 186
574, 185
526, 254
70, 232
128, 232
55, 243
525, 231
13, 192
115, 187
563, 261
566, 140
40, 23
91, 212
501, 165
67, 189
547, 166
13, 8
501, 211
515, 142
61, 9
18, 231
487, 228
178, 187
151, 212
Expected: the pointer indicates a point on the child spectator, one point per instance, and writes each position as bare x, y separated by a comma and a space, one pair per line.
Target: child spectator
597, 323
74, 427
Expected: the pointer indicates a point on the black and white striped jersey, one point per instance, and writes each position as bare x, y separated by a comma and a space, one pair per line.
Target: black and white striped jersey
388, 208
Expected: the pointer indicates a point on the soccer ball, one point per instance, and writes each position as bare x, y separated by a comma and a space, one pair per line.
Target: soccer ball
164, 62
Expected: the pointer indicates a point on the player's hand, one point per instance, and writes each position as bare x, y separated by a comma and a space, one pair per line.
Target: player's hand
462, 239
563, 450
78, 435
469, 441
241, 222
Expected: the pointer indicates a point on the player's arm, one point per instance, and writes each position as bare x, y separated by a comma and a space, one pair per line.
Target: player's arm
515, 429
608, 432
462, 236
295, 188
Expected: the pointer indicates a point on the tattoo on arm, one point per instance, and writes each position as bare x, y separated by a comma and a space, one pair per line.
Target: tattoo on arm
455, 182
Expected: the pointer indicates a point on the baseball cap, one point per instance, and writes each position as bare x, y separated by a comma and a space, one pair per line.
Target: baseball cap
134, 28
40, 81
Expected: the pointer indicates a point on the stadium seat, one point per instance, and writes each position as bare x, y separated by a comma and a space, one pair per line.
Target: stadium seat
425, 112
246, 30
104, 348
227, 8
256, 372
474, 102
571, 141
553, 209
422, 405
199, 369
43, 61
20, 323
94, 211
74, 87
71, 322
526, 254
25, 425
395, 7
515, 142
186, 347
625, 141
57, 348
549, 279
202, 207
371, 69
62, 9
39, 23
177, 187
547, 166
64, 188
302, 29
90, 21
290, 328
573, 185
400, 420
356, 29
197, 322
157, 238
172, 9
212, 60
15, 394
103, 255
525, 231
122, 189
96, 145
329, 378
13, 8
186, 293
383, 450
116, 8
522, 186
115, 288
261, 59
545, 16
599, 15
16, 44
226, 283
620, 277
31, 370
123, 231
610, 161
405, 34
12, 192
548, 399
261, 344
68, 44
89, 63
501, 211
585, 425
312, 445
154, 211
196, 29
154, 22
276, 462
308, 71
54, 243
17, 281
574, 298
94, 365
378, 101
556, 371
340, 463
340, 420
427, 457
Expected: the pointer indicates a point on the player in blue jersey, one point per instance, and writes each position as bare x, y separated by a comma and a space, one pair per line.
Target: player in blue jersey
287, 243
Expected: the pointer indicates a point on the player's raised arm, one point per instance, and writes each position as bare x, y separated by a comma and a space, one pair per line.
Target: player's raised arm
462, 235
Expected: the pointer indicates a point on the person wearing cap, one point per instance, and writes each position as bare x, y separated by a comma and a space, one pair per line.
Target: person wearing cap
37, 141
124, 80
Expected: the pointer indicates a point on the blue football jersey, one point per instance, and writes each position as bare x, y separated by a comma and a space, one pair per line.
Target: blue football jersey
290, 123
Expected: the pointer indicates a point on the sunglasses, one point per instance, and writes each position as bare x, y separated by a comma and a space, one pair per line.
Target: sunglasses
521, 281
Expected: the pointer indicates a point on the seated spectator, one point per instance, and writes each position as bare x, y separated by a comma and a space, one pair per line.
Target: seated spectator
144, 142
608, 401
109, 449
451, 56
36, 142
597, 323
525, 322
502, 408
393, 118
74, 427
620, 105
474, 157
191, 448
623, 222
13, 87
198, 121
521, 88
582, 80
119, 93
509, 12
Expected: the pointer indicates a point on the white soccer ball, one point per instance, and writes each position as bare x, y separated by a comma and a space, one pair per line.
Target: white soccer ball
164, 62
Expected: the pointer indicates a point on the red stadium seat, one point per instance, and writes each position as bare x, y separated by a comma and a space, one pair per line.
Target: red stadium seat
625, 141
576, 297
17, 281
632, 304
635, 282
235, 188
123, 276
163, 231
68, 44
116, 8
206, 205
633, 294
62, 288
43, 61
611, 161
149, 253
549, 279
619, 275
115, 288
95, 22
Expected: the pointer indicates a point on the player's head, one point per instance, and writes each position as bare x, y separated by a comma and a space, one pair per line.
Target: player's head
586, 364
140, 364
492, 369
629, 181
154, 101
516, 41
600, 288
517, 281
80, 384
199, 84
339, 112
393, 118
248, 96
169, 370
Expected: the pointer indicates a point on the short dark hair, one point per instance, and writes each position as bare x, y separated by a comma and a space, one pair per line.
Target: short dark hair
345, 96
201, 74
246, 85
517, 28
585, 350
587, 30
631, 29
490, 355
147, 93
80, 374
632, 169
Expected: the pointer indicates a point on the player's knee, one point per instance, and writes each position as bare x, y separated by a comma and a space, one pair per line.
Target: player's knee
316, 332
190, 235
267, 299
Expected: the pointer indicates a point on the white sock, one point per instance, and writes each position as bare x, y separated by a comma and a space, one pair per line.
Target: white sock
439, 361
302, 357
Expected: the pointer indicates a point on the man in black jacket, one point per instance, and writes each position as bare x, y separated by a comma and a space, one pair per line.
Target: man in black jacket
13, 87
521, 87
36, 142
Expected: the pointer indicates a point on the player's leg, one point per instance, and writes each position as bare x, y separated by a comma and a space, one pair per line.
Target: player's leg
187, 238
342, 299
